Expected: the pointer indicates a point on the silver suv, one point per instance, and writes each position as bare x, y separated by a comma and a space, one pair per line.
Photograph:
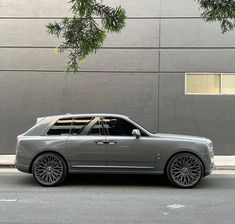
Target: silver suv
109, 143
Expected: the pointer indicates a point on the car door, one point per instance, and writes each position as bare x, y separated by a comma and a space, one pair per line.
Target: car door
86, 149
125, 152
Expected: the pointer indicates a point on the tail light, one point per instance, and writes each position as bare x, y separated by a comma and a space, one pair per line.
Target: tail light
17, 145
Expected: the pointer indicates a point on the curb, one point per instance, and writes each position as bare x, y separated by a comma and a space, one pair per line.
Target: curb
224, 168
7, 166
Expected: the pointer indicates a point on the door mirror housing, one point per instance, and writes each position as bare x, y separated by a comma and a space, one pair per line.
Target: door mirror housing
136, 133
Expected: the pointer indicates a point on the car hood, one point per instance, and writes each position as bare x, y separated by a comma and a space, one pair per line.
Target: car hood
180, 137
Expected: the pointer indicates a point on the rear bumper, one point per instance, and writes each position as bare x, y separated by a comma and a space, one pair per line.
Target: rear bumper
22, 164
22, 167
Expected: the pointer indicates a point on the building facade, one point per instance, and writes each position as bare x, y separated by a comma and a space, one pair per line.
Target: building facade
140, 72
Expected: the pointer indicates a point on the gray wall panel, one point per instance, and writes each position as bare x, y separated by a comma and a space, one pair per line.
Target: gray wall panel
34, 8
31, 59
26, 32
122, 60
32, 32
198, 60
138, 8
60, 8
209, 116
26, 96
179, 8
137, 33
194, 33
103, 60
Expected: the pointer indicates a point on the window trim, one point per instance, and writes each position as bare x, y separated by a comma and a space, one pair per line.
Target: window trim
85, 129
137, 126
227, 94
54, 122
208, 73
92, 124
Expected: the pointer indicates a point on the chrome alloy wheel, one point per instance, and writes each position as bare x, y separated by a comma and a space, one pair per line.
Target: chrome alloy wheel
185, 170
49, 169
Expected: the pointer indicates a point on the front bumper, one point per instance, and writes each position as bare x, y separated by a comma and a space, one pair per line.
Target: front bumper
208, 172
208, 159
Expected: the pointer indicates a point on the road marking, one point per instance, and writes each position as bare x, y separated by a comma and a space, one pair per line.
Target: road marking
165, 213
175, 206
8, 200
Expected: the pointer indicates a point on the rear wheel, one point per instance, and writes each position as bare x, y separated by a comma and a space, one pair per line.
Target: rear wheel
49, 169
184, 170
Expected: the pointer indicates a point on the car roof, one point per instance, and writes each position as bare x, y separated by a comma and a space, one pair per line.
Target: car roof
87, 115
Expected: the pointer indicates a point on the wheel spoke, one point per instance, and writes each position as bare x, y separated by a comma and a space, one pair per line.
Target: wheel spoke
185, 170
48, 169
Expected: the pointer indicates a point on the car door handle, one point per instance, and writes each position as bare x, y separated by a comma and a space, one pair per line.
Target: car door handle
99, 142
112, 143
105, 142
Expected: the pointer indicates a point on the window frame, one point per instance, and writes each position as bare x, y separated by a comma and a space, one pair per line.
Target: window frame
55, 121
84, 130
224, 74
92, 124
137, 126
208, 73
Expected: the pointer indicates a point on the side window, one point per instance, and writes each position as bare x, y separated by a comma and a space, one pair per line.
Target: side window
79, 124
61, 127
117, 126
96, 129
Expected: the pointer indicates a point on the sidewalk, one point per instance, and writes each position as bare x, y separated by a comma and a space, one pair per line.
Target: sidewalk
221, 162
225, 162
7, 161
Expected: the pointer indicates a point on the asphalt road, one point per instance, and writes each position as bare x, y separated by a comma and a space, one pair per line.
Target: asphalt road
116, 199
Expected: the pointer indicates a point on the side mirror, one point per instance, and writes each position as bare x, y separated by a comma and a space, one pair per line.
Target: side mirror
136, 133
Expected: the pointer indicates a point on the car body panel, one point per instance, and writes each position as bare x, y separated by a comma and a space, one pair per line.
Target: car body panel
128, 154
113, 154
85, 153
32, 146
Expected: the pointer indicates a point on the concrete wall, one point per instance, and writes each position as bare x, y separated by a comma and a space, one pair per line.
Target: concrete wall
139, 72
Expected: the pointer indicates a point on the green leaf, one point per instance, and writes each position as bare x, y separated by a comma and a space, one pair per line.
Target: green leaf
221, 11
81, 34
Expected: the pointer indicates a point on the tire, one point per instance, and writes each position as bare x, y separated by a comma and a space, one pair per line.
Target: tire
184, 170
49, 169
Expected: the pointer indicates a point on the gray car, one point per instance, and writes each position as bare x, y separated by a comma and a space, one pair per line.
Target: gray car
109, 143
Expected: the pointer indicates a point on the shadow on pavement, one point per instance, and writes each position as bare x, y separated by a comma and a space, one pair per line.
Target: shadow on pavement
117, 180
100, 180
213, 182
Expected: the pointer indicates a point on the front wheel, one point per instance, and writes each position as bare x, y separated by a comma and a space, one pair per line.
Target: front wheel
184, 170
49, 169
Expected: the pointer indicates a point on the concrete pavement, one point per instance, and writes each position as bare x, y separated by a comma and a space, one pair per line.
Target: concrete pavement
221, 162
116, 199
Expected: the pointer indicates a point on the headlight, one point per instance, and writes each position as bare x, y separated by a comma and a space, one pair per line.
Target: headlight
210, 149
209, 146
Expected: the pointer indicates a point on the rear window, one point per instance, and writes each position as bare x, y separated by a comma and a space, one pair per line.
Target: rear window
61, 127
